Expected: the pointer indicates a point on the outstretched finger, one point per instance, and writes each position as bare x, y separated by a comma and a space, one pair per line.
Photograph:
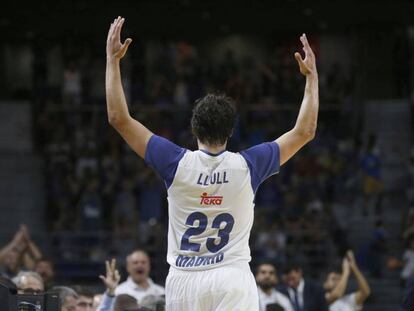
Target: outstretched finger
115, 23
117, 275
108, 268
113, 27
116, 20
306, 46
113, 264
110, 32
118, 28
304, 41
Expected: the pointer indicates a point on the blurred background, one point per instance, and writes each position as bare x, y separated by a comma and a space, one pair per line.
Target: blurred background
85, 196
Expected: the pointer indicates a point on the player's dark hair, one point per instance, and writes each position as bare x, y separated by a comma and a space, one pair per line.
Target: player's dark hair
213, 119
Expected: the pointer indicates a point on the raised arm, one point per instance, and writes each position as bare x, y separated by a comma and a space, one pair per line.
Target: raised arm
340, 288
133, 132
32, 252
305, 127
364, 290
17, 243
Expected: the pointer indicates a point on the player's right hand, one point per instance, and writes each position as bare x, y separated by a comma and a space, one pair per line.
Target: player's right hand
114, 48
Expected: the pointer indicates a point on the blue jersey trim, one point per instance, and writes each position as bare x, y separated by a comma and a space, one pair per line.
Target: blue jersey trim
213, 154
263, 161
164, 156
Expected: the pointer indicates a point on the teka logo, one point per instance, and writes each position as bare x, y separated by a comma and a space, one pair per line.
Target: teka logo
210, 200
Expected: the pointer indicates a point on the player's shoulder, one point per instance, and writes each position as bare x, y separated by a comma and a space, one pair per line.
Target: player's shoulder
231, 160
236, 159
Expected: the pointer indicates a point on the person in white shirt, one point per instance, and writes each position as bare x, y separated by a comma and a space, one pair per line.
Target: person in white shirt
266, 279
336, 283
138, 284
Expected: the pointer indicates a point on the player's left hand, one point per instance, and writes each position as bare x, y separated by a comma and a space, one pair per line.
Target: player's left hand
114, 48
307, 65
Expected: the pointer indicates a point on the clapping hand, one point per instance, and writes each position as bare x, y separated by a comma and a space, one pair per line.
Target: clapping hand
351, 259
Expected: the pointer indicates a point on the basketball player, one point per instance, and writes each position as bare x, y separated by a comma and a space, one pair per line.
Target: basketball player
210, 191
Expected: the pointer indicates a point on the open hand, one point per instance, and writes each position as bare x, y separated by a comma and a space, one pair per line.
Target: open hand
307, 65
114, 48
112, 277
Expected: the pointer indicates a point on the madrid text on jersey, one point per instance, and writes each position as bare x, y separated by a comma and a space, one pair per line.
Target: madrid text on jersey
216, 178
196, 261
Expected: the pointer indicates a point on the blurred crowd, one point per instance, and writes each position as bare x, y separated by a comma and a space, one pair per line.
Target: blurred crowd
103, 201
96, 184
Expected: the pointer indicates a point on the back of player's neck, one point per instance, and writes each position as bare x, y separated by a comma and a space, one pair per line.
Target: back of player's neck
211, 149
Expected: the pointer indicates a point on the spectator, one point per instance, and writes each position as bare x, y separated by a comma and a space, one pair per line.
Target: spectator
29, 283
10, 255
68, 298
111, 281
97, 300
125, 302
138, 284
32, 252
336, 284
85, 299
46, 270
266, 280
152, 303
11, 260
406, 264
303, 294
21, 252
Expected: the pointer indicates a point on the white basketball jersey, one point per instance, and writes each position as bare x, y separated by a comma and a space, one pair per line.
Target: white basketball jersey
210, 201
